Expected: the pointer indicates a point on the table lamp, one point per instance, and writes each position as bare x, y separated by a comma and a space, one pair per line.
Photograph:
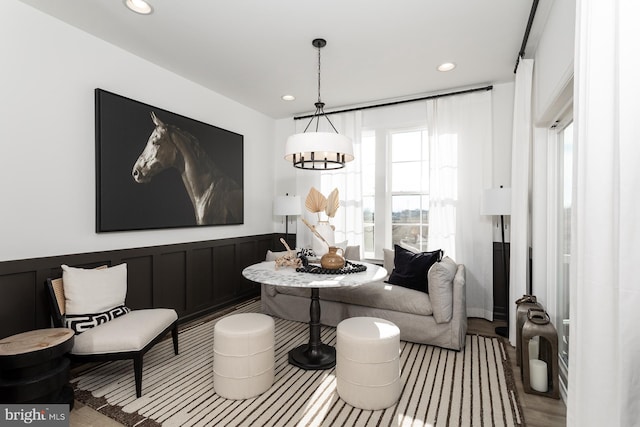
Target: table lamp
287, 206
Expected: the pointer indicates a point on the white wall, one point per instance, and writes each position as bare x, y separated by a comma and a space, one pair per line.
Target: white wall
47, 156
284, 173
553, 68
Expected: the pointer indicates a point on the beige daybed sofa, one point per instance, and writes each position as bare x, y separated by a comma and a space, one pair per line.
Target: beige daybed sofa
438, 318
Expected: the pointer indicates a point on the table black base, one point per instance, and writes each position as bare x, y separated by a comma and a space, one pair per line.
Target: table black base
322, 357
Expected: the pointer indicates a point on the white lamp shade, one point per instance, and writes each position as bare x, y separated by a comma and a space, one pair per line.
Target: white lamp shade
287, 205
328, 149
496, 201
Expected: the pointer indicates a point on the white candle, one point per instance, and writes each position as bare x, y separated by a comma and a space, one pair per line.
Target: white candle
534, 348
538, 375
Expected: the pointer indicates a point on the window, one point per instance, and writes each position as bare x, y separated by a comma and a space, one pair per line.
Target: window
405, 182
395, 176
410, 188
368, 192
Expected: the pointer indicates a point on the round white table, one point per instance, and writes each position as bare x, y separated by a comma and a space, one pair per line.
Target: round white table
315, 354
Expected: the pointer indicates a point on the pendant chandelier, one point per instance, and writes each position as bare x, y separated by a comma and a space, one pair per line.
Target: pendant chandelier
318, 150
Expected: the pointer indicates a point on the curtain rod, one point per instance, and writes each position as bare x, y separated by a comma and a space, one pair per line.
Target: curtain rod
461, 92
525, 39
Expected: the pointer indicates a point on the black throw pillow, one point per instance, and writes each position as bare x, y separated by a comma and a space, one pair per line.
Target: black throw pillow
410, 268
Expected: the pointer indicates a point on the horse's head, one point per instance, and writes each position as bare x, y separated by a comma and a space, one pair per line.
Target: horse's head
159, 153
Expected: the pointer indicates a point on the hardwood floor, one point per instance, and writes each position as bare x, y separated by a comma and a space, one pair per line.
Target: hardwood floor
538, 411
83, 416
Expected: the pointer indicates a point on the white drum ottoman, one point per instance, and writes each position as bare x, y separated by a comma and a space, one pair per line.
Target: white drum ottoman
243, 355
368, 362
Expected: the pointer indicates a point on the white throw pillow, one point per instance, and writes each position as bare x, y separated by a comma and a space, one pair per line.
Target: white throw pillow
271, 256
342, 245
352, 253
90, 291
388, 262
440, 284
408, 247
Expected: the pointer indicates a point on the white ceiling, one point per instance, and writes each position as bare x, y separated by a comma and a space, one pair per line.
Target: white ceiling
255, 51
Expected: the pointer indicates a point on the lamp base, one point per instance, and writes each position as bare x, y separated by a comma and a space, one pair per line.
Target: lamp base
503, 331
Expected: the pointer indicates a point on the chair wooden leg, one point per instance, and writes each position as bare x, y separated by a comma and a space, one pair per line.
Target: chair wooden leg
137, 369
174, 335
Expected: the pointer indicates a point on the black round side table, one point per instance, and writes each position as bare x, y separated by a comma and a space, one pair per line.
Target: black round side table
34, 369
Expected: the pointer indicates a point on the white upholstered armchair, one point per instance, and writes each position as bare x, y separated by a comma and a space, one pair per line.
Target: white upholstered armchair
91, 302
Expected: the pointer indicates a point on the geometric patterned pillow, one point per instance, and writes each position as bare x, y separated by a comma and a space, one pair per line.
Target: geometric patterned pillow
83, 322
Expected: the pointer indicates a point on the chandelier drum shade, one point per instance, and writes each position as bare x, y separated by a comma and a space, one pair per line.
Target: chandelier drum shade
319, 150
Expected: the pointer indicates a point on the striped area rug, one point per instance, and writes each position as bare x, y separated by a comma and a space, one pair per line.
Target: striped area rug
441, 387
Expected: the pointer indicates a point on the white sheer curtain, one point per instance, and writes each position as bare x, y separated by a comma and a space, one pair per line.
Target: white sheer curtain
460, 145
604, 372
348, 181
521, 146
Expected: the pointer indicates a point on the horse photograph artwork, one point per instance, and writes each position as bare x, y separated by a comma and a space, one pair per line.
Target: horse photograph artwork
157, 169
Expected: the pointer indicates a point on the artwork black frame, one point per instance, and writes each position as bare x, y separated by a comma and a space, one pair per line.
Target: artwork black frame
122, 128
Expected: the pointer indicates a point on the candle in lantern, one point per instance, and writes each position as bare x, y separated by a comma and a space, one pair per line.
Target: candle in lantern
534, 348
538, 375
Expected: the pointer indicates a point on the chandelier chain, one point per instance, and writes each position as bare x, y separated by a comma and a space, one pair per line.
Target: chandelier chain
321, 151
319, 73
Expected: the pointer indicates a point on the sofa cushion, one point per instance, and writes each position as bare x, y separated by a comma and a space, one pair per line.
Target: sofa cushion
410, 268
271, 256
375, 294
130, 332
440, 285
352, 253
91, 291
388, 260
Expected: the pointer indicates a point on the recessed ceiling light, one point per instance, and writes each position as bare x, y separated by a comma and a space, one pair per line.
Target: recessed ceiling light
139, 6
288, 97
447, 66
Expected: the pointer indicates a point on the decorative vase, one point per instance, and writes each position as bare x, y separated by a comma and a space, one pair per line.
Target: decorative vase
326, 231
332, 260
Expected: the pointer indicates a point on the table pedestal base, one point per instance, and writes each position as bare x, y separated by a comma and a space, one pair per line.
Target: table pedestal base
322, 357
315, 355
